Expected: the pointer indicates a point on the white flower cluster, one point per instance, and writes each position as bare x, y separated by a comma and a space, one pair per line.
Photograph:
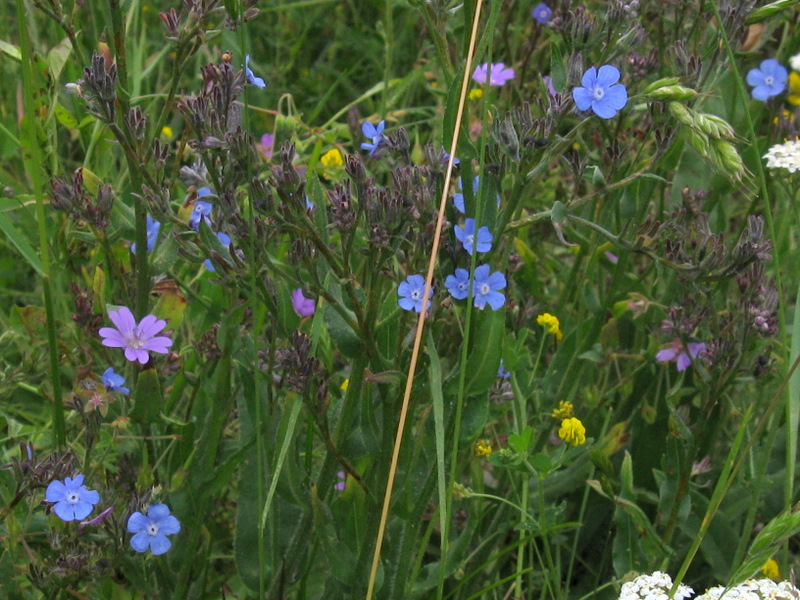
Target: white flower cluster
794, 62
784, 156
754, 589
653, 587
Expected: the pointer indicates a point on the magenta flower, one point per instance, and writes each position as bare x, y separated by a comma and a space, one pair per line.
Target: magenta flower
137, 340
675, 352
497, 73
302, 306
267, 145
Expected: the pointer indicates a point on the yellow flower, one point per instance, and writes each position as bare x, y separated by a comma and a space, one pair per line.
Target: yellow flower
166, 131
345, 385
550, 323
483, 448
332, 158
572, 431
476, 94
564, 410
771, 570
794, 88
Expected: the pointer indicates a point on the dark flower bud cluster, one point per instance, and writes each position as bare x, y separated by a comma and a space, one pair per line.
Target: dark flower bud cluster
99, 84
72, 197
300, 369
342, 211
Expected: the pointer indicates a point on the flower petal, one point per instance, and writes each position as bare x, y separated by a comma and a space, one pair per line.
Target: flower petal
603, 110
140, 542
123, 320
159, 544
137, 522
151, 325
616, 96
64, 511
583, 100
607, 76
589, 78
55, 492
169, 525
113, 338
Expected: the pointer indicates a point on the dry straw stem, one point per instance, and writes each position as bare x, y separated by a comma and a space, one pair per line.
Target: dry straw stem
412, 367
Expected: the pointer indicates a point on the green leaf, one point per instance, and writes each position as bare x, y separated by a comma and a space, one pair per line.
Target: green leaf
557, 70
487, 349
521, 442
21, 243
435, 382
10, 50
766, 543
148, 398
57, 57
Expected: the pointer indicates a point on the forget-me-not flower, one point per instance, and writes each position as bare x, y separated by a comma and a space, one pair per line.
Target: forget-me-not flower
114, 382
201, 210
411, 291
136, 339
73, 500
226, 241
375, 135
458, 284
466, 236
601, 92
251, 77
152, 234
497, 74
486, 286
768, 80
542, 13
151, 531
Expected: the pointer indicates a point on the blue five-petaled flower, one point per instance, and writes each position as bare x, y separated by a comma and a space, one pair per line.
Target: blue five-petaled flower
114, 382
466, 236
485, 288
458, 284
769, 80
201, 210
411, 291
375, 134
73, 500
151, 531
152, 228
251, 77
601, 92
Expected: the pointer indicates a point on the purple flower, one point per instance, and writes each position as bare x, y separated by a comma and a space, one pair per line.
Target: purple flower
152, 531
548, 81
675, 352
446, 158
466, 236
73, 500
226, 241
137, 340
302, 306
267, 145
542, 13
498, 74
458, 284
600, 92
152, 235
340, 485
411, 291
256, 81
201, 210
113, 381
375, 134
486, 286
769, 80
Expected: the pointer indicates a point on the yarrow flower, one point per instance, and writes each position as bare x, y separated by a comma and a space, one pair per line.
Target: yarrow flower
73, 500
675, 352
226, 241
137, 340
542, 13
653, 587
113, 381
375, 134
551, 324
768, 80
251, 77
784, 156
466, 235
572, 431
486, 286
303, 306
151, 531
458, 284
152, 234
201, 210
411, 291
753, 589
601, 92
498, 74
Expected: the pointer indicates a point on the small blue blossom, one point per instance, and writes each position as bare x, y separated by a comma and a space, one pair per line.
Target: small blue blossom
769, 80
226, 241
73, 500
152, 235
256, 81
113, 381
601, 92
201, 210
466, 236
411, 291
151, 531
542, 13
458, 284
501, 371
375, 134
204, 191
486, 286
446, 158
309, 204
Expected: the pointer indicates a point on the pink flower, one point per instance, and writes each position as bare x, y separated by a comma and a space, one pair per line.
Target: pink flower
675, 352
267, 145
303, 306
137, 340
497, 73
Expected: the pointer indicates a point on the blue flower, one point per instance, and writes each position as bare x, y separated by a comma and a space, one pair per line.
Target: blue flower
486, 286
373, 133
309, 204
74, 501
467, 237
152, 235
600, 93
204, 191
542, 13
256, 81
458, 284
226, 241
411, 291
769, 80
113, 381
201, 210
501, 371
152, 531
